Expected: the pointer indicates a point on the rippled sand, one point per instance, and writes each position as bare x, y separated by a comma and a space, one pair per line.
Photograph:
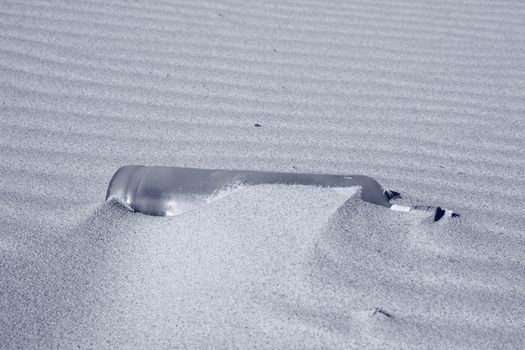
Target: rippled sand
426, 97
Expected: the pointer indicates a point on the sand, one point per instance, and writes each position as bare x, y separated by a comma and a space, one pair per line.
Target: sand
426, 97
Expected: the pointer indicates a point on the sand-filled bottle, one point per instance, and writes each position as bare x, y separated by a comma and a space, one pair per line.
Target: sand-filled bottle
168, 191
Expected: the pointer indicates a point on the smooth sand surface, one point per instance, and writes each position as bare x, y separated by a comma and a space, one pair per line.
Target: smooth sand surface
426, 97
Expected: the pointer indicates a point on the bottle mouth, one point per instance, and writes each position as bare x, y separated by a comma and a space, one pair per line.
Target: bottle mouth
438, 211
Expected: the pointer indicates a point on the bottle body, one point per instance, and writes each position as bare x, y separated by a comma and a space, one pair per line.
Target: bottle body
167, 191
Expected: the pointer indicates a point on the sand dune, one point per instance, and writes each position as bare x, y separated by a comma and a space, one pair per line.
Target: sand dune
426, 97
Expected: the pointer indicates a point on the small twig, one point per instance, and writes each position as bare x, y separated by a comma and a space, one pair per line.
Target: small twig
381, 311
